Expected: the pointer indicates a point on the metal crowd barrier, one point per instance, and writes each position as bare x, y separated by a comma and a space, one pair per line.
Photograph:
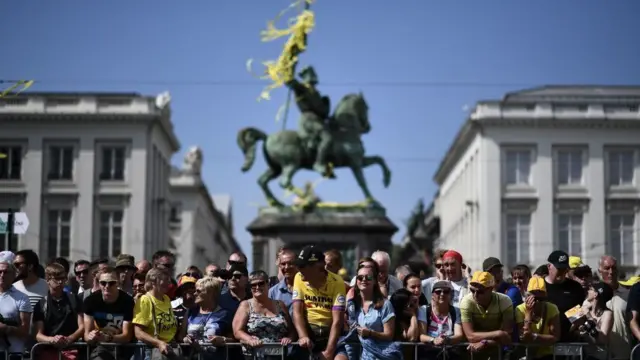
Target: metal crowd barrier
136, 351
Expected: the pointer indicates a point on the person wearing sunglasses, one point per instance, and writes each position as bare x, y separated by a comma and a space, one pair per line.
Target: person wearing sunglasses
81, 270
538, 320
261, 320
440, 323
125, 265
236, 290
452, 270
108, 313
319, 300
166, 260
486, 315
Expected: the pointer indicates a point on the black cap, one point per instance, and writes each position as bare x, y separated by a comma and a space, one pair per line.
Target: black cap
309, 255
559, 259
237, 268
604, 291
490, 263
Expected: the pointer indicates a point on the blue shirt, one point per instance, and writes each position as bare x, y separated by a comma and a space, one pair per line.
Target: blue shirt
12, 303
280, 291
511, 291
230, 304
374, 320
201, 326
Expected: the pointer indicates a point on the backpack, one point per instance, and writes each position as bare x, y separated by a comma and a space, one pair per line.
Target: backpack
44, 302
452, 316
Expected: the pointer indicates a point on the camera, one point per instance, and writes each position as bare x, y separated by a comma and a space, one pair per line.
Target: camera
222, 274
590, 328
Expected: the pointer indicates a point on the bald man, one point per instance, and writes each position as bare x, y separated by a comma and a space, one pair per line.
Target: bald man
619, 345
143, 266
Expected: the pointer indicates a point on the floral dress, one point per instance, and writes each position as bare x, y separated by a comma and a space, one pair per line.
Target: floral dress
269, 329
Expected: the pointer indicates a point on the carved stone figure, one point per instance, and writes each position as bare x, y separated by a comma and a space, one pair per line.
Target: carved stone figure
287, 151
192, 163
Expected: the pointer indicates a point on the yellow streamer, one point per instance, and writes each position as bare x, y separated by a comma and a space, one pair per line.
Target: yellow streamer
22, 85
281, 71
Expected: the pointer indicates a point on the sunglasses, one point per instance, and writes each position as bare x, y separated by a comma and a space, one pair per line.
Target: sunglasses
82, 272
258, 284
18, 264
237, 276
438, 265
108, 283
234, 262
477, 291
442, 291
192, 274
364, 278
167, 265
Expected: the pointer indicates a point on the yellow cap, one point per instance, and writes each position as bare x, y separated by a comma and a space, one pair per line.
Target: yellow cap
631, 281
483, 278
536, 283
574, 262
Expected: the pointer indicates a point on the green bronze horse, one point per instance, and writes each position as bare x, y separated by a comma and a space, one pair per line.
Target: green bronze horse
286, 152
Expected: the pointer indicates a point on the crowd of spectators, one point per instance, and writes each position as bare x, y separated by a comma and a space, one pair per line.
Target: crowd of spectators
140, 311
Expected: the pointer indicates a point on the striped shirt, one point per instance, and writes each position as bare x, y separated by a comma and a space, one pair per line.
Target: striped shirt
35, 291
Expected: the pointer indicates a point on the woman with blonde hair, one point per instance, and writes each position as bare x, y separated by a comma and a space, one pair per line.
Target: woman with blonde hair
262, 320
155, 324
207, 323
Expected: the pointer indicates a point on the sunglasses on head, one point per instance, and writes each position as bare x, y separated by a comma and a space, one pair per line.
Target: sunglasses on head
364, 277
258, 284
442, 291
108, 283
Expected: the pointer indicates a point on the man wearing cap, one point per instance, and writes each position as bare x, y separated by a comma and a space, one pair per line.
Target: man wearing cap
185, 297
486, 315
493, 266
126, 268
319, 299
452, 271
237, 292
562, 291
619, 345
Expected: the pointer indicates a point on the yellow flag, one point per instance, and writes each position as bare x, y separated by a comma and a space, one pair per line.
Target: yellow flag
280, 71
21, 85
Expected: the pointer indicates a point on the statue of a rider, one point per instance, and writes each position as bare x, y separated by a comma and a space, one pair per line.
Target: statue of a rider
313, 125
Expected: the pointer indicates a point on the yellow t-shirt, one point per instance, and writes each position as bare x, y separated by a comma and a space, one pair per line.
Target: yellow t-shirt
165, 319
320, 302
551, 312
489, 319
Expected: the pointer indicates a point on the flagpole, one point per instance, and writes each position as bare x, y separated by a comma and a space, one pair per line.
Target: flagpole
287, 104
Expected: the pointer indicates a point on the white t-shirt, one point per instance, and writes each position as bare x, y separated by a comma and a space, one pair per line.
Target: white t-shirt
619, 346
12, 303
460, 289
35, 291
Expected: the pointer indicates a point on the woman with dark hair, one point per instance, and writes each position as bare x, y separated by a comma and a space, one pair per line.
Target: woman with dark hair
599, 320
405, 306
520, 275
413, 283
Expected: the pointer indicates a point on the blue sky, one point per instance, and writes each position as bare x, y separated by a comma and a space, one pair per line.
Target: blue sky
418, 63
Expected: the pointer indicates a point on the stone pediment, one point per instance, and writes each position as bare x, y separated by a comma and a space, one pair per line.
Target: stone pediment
575, 92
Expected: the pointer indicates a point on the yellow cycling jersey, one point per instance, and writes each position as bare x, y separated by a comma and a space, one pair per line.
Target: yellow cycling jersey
320, 302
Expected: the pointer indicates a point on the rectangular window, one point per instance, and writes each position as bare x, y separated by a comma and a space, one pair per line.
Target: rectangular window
621, 167
111, 231
8, 242
61, 163
517, 238
569, 166
569, 233
59, 235
113, 163
622, 237
518, 166
10, 162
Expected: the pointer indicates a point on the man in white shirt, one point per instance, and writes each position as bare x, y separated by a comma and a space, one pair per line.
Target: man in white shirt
452, 271
619, 345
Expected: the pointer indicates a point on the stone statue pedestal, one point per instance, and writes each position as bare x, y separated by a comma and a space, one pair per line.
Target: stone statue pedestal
354, 230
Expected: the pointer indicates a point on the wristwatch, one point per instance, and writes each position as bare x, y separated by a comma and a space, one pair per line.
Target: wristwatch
535, 336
